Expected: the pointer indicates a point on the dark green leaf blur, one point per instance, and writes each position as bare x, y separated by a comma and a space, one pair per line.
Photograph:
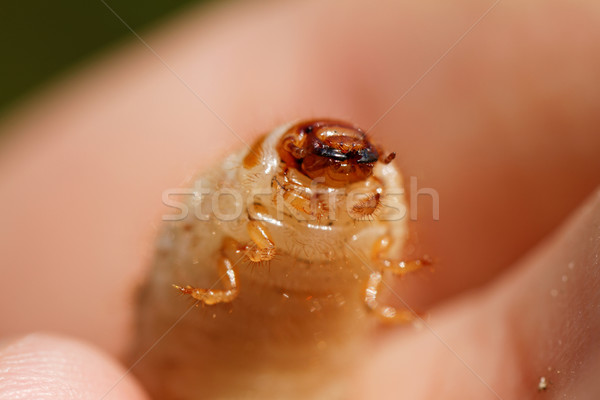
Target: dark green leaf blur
41, 39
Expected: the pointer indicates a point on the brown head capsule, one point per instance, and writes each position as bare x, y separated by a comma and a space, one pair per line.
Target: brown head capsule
336, 151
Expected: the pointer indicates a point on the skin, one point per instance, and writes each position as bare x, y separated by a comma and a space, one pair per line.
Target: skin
504, 128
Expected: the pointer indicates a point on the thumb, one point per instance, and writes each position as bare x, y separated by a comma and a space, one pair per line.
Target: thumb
41, 367
534, 329
554, 306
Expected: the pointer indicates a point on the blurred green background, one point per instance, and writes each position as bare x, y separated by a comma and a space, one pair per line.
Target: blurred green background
41, 39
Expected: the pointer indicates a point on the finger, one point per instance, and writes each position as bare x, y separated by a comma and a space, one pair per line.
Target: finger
507, 148
554, 307
534, 330
39, 366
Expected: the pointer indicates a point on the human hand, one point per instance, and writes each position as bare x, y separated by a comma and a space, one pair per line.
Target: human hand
503, 128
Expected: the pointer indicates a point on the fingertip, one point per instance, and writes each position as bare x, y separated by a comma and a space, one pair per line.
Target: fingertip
41, 366
554, 304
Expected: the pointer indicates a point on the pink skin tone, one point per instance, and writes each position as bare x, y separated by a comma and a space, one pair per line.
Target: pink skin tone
39, 366
504, 128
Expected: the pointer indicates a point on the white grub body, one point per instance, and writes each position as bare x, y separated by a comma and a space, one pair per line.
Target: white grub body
295, 329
